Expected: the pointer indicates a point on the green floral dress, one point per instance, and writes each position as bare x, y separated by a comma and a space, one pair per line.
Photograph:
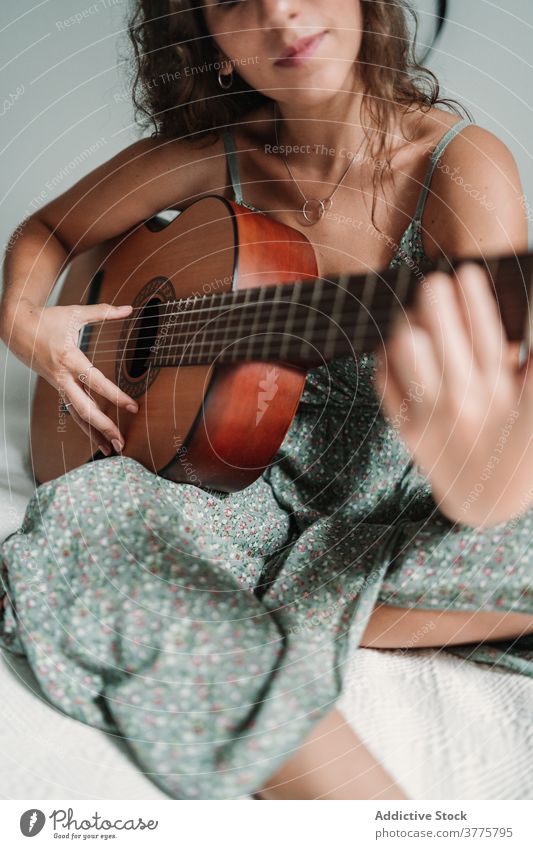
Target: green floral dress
212, 631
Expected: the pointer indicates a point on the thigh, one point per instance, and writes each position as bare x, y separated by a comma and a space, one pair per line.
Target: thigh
403, 627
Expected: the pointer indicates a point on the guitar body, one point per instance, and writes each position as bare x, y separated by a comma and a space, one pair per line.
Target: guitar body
216, 426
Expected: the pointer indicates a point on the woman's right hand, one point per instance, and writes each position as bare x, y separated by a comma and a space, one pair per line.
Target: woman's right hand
46, 340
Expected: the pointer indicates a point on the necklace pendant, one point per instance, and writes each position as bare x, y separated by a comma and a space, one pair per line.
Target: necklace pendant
313, 210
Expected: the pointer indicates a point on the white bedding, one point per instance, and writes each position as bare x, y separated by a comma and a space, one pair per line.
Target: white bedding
444, 728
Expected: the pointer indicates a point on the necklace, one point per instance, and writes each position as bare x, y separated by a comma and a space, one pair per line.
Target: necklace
313, 209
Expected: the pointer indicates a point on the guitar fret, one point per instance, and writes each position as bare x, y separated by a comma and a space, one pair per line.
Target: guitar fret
335, 318
403, 281
265, 353
211, 353
234, 338
230, 353
312, 315
193, 331
202, 334
365, 303
287, 334
257, 315
243, 317
184, 331
226, 300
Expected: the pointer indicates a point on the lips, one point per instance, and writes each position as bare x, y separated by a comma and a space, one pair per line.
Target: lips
300, 49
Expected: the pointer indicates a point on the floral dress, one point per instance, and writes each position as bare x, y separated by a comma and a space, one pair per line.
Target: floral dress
211, 631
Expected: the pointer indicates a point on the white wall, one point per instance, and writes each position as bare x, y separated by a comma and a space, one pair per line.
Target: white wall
484, 57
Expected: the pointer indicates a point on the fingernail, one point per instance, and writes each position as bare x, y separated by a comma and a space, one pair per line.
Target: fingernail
105, 450
118, 446
132, 408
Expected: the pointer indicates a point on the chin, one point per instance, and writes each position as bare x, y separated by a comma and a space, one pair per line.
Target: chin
313, 93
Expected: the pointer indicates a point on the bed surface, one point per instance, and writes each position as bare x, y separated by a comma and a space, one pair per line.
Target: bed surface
445, 728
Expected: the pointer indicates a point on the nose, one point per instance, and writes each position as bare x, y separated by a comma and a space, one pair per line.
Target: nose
276, 14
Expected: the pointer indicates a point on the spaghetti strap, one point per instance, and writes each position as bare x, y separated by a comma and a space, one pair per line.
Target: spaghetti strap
231, 155
435, 156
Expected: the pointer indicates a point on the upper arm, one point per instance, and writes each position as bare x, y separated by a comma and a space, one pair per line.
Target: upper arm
475, 205
139, 181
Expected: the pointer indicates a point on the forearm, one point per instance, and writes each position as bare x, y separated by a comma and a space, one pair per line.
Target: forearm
33, 262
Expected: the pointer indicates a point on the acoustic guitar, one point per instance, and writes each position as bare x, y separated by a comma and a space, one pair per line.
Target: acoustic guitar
228, 315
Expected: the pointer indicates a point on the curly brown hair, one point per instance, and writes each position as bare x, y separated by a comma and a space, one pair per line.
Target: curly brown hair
170, 38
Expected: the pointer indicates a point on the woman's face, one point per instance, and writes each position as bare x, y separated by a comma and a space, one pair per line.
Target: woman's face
254, 35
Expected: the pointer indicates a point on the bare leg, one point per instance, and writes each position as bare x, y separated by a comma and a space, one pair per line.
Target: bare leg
392, 627
332, 763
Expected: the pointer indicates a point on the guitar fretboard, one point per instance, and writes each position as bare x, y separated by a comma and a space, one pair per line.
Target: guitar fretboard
311, 321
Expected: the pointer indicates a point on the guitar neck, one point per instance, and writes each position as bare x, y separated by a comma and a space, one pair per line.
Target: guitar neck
314, 320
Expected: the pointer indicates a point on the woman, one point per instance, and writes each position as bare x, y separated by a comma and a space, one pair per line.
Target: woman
212, 631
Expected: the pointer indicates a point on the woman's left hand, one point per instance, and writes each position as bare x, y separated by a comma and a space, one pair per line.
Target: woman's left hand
451, 384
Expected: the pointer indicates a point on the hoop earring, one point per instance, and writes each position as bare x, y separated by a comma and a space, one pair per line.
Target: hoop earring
227, 77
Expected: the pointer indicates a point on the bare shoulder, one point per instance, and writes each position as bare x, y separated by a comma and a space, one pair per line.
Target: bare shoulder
142, 179
182, 170
482, 153
475, 202
470, 145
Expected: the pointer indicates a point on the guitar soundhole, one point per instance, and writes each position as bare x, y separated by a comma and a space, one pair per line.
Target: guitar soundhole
135, 371
143, 337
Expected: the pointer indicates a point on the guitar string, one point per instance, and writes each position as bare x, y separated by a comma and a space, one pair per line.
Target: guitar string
185, 350
200, 325
170, 351
191, 310
347, 285
201, 357
219, 305
319, 336
327, 302
524, 261
218, 334
259, 308
302, 315
274, 296
166, 349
